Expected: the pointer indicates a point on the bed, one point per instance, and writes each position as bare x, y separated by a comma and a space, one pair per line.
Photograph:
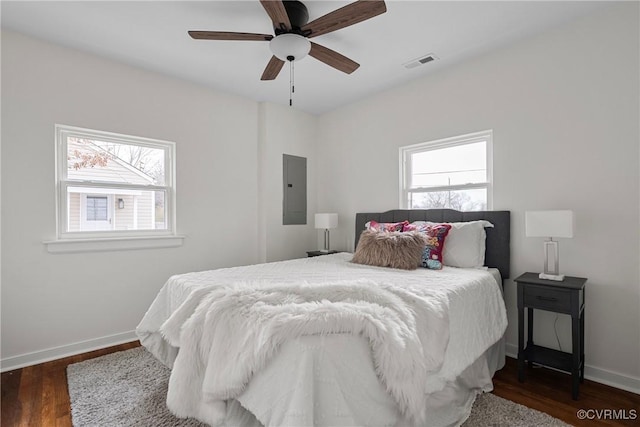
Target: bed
323, 341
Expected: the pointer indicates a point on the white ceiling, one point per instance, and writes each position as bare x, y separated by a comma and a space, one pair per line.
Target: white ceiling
153, 35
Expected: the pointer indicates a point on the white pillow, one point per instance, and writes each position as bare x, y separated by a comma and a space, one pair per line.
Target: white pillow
465, 245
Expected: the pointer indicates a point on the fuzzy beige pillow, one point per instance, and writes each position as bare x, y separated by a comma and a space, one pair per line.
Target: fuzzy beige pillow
390, 249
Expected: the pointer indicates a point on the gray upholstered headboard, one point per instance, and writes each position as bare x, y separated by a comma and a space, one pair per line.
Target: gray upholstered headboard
498, 254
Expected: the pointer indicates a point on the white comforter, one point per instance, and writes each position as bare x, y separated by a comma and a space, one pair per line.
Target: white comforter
424, 327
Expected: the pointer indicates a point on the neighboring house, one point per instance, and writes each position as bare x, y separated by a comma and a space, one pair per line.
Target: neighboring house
102, 208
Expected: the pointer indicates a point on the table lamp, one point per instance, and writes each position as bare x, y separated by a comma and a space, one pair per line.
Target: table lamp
326, 221
549, 224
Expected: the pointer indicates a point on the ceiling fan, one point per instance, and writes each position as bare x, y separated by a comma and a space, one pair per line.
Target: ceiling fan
293, 31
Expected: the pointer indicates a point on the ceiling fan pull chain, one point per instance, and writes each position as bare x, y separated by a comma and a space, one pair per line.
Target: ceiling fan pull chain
290, 82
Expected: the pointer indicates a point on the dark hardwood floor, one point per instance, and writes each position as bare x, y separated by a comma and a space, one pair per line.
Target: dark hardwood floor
550, 391
38, 395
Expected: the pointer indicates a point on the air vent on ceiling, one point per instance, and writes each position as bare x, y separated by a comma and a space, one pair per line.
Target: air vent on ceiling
420, 61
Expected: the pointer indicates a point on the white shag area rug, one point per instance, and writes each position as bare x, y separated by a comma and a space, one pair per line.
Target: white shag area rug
129, 388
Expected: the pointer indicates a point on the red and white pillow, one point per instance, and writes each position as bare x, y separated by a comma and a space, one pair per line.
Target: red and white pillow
385, 226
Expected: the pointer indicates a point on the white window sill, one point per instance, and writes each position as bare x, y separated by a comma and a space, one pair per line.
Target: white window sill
112, 244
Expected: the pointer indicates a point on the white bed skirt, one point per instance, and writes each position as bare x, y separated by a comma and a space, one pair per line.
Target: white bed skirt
310, 373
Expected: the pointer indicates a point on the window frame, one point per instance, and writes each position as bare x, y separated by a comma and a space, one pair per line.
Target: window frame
406, 152
62, 184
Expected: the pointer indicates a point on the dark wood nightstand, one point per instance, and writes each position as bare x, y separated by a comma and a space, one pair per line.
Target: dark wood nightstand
318, 253
565, 297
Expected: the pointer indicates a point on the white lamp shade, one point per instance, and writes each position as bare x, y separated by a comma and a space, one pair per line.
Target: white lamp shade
326, 220
549, 223
289, 44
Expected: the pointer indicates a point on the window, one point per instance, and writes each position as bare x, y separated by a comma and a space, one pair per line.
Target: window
111, 185
449, 173
96, 208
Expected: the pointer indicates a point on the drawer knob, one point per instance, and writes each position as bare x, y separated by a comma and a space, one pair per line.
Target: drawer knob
552, 299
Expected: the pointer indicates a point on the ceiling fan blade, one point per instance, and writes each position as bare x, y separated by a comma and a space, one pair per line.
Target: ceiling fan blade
273, 69
333, 58
225, 35
278, 14
345, 16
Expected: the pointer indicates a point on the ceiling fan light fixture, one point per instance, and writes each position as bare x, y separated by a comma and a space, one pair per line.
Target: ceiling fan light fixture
290, 45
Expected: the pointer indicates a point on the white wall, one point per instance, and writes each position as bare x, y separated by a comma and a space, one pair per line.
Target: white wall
564, 108
284, 131
65, 303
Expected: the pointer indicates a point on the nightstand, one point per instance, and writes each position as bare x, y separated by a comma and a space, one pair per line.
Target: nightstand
565, 297
318, 253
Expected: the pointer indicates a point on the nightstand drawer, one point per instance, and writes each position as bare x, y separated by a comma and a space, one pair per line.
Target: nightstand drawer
547, 298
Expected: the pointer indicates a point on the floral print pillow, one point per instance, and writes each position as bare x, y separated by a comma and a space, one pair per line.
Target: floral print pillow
436, 234
386, 226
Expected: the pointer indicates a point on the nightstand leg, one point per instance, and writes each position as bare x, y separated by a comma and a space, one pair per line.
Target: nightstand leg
577, 352
530, 331
582, 347
521, 344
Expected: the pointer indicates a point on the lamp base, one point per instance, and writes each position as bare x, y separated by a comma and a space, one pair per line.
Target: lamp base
324, 251
556, 277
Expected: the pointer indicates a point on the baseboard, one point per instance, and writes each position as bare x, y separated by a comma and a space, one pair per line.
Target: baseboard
603, 376
29, 359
